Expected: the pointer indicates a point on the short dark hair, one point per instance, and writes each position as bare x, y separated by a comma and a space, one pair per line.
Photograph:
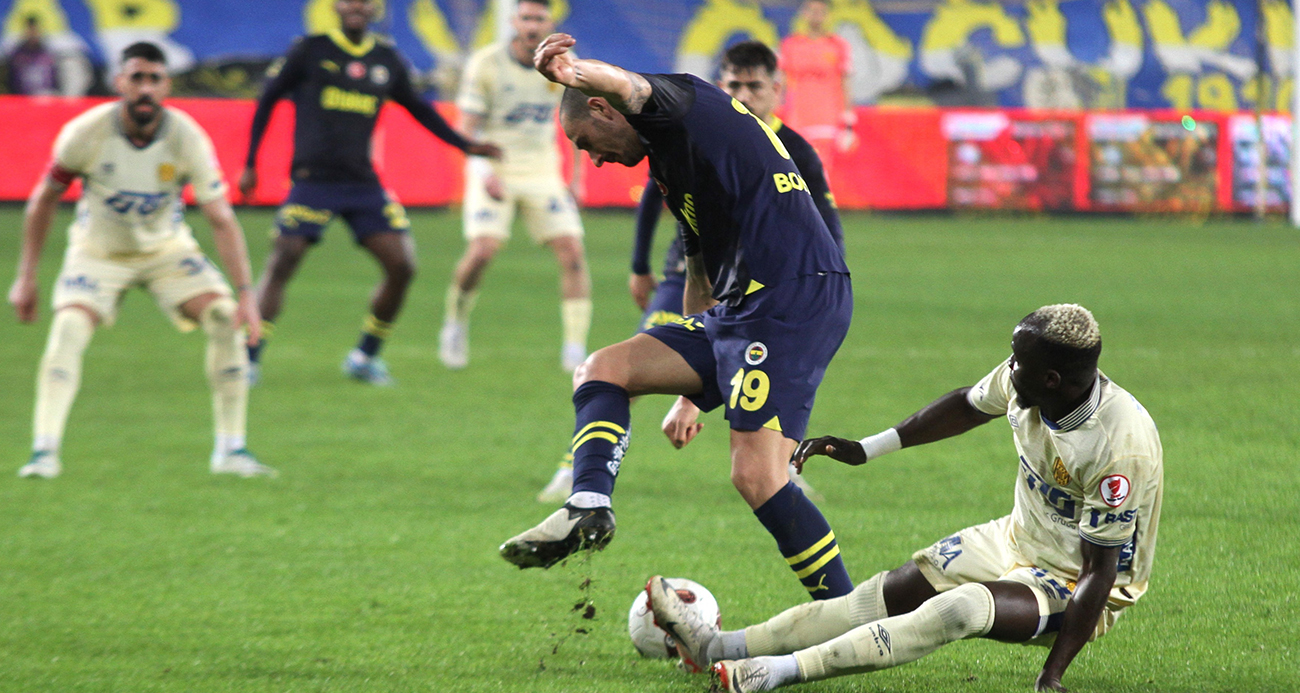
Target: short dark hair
146, 51
573, 104
543, 3
749, 55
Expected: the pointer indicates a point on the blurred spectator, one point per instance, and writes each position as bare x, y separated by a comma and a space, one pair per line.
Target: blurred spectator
33, 68
818, 65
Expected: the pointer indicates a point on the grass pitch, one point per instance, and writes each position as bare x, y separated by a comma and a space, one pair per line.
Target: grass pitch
370, 564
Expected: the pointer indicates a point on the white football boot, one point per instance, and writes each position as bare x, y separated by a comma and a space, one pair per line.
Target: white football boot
567, 531
744, 675
42, 464
691, 632
453, 344
241, 463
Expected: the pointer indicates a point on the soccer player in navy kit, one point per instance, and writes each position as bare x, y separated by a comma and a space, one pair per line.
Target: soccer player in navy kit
767, 294
338, 82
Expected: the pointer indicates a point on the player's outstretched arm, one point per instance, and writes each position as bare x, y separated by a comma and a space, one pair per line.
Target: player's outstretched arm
1096, 578
404, 95
625, 90
284, 74
948, 416
233, 251
24, 294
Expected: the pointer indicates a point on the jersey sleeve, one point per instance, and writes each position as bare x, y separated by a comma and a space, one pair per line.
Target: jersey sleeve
671, 98
73, 150
475, 90
992, 395
202, 169
282, 76
1110, 504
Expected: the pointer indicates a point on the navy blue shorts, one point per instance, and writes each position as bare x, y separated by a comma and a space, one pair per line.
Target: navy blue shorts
666, 304
366, 207
765, 359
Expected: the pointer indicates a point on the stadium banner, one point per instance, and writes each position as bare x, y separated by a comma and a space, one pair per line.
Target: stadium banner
1153, 162
1090, 54
1014, 160
1244, 133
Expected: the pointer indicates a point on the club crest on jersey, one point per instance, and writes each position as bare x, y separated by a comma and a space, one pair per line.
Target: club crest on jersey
1114, 490
1059, 473
357, 69
755, 353
166, 173
379, 75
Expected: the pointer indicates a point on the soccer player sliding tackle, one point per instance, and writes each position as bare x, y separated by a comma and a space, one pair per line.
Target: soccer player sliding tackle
1074, 553
763, 273
134, 156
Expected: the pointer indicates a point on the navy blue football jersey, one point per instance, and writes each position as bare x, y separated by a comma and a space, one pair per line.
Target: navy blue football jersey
732, 184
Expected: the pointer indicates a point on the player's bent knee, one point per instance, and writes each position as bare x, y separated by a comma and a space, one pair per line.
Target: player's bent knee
605, 366
400, 272
70, 331
218, 316
966, 611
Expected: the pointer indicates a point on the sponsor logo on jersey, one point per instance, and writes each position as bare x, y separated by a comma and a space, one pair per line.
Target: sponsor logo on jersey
785, 182
166, 173
1058, 499
357, 69
688, 212
1114, 490
379, 75
1059, 473
1011, 419
335, 99
755, 353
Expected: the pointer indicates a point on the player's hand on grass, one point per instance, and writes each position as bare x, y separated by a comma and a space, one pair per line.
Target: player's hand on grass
553, 59
25, 298
1049, 682
486, 149
248, 183
494, 187
680, 424
642, 287
846, 451
248, 314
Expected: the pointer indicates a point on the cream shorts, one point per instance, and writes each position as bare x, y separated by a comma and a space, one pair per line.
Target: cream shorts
173, 276
548, 209
987, 552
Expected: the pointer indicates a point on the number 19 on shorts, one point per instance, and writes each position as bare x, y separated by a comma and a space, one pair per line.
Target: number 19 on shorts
749, 389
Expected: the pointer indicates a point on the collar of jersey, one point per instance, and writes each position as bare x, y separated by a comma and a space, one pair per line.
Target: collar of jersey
355, 50
1075, 419
775, 124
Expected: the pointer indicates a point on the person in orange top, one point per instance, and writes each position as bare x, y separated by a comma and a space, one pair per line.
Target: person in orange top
817, 65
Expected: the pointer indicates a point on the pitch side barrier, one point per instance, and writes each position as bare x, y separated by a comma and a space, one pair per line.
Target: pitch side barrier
904, 159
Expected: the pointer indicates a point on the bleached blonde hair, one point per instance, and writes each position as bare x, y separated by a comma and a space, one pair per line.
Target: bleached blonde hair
1067, 324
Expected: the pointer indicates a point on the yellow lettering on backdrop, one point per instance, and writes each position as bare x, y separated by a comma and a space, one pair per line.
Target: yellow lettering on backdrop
954, 21
716, 21
1178, 91
47, 12
158, 15
430, 26
1215, 92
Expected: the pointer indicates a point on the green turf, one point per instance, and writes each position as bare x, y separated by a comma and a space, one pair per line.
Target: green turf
370, 564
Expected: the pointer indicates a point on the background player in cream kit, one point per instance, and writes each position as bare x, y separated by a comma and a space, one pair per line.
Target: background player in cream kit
1074, 553
505, 100
135, 157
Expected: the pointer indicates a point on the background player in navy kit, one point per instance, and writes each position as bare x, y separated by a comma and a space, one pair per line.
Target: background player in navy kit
759, 260
748, 73
338, 82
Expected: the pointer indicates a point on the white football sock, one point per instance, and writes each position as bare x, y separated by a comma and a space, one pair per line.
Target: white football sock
964, 612
589, 499
226, 364
575, 314
459, 304
814, 623
59, 377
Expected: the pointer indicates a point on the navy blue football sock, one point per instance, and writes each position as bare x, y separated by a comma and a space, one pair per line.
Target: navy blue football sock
255, 351
807, 542
600, 435
373, 333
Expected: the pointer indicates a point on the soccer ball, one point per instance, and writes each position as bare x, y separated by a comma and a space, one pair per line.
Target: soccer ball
651, 640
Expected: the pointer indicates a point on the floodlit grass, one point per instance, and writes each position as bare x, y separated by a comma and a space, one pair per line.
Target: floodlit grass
370, 564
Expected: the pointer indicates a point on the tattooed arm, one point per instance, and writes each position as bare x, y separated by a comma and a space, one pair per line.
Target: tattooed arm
626, 91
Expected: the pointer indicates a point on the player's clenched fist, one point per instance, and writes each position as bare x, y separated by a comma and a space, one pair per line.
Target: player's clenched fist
554, 60
23, 297
681, 425
846, 451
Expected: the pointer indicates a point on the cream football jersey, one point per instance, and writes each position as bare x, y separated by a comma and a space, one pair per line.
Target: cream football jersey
1096, 473
519, 106
131, 197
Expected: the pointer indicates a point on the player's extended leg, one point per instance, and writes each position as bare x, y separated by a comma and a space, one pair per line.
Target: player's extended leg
759, 461
286, 253
1000, 610
57, 383
226, 365
575, 301
395, 253
603, 386
453, 340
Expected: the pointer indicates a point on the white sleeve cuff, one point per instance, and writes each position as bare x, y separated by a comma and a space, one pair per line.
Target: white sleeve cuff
882, 443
